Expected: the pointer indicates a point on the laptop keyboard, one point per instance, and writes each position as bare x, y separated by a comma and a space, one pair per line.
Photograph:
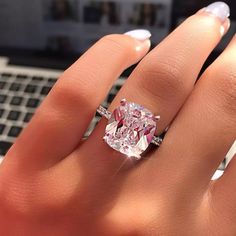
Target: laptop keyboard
20, 95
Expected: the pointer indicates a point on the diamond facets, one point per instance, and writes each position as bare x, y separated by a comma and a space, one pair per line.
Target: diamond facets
130, 129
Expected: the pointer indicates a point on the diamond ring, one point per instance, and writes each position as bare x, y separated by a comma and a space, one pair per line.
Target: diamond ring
130, 129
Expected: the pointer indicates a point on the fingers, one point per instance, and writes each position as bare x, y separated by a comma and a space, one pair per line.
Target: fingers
205, 129
165, 77
61, 121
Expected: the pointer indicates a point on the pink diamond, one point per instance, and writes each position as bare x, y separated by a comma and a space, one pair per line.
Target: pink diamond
130, 129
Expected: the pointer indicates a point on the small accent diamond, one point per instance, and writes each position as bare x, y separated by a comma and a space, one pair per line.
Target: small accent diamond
103, 112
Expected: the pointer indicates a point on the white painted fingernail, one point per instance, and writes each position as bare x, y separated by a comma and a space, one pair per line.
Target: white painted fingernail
139, 34
219, 9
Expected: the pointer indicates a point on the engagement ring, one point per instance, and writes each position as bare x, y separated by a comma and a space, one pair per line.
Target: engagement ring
131, 128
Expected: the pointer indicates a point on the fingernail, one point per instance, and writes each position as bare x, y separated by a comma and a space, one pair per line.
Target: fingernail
218, 9
139, 34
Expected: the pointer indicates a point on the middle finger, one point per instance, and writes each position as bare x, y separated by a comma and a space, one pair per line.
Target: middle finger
166, 76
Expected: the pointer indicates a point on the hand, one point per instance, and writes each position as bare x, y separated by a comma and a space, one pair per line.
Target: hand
52, 182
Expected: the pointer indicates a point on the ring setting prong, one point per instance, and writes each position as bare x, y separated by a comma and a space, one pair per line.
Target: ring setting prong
123, 102
157, 118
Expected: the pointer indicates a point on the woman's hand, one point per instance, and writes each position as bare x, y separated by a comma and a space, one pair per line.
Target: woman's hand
52, 182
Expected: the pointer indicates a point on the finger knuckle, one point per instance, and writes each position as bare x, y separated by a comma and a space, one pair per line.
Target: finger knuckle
73, 91
26, 199
162, 78
225, 81
15, 198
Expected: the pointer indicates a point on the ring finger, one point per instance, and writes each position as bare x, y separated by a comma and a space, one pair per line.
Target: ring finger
166, 76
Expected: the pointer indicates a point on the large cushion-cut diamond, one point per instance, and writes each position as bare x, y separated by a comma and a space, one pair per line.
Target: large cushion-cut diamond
130, 129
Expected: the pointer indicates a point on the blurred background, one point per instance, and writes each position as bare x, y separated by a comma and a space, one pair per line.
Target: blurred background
54, 33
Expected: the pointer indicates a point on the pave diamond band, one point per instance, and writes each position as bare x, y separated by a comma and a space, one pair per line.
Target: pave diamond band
104, 112
130, 129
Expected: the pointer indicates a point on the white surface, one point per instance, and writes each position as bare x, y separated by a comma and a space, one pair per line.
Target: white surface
27, 70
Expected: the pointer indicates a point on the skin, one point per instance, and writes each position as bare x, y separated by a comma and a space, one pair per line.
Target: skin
54, 183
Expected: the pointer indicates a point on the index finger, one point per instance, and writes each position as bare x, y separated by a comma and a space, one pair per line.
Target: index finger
61, 121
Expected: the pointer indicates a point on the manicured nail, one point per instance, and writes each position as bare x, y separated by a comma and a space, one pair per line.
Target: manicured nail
139, 34
218, 9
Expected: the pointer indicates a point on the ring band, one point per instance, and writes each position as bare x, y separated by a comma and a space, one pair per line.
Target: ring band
130, 129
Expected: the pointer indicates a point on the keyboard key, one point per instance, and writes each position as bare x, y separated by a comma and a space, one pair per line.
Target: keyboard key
13, 115
32, 102
2, 84
37, 78
2, 127
14, 131
51, 80
28, 117
1, 112
21, 76
16, 101
4, 147
30, 88
45, 90
3, 98
6, 75
15, 87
